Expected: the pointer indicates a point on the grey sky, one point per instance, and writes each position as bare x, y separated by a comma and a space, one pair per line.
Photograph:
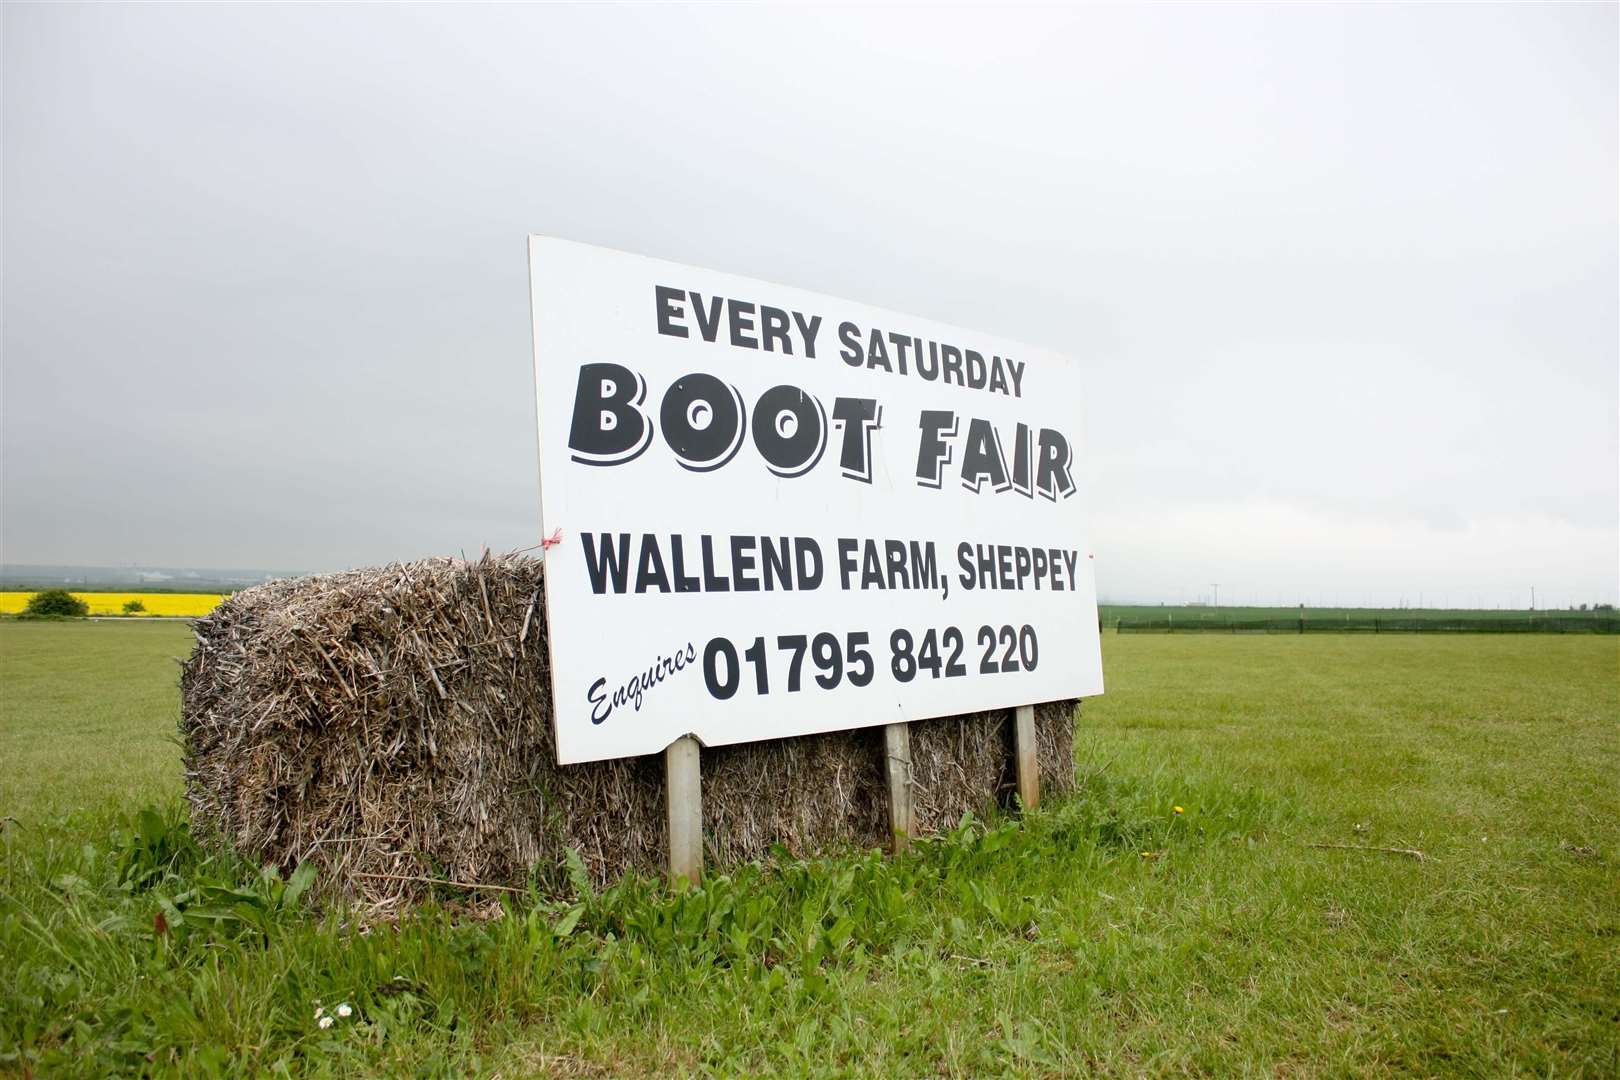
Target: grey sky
1344, 279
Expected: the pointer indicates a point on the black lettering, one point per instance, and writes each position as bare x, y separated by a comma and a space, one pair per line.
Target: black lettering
778, 563
1052, 476
846, 560
709, 327
877, 354
928, 369
858, 417
668, 302
1016, 367
964, 559
790, 430
609, 427
901, 344
605, 565
742, 563
975, 370
650, 571
982, 458
1023, 455
807, 556
597, 696
986, 563
808, 332
998, 377
851, 353
702, 419
923, 570
684, 582
894, 557
712, 582
933, 452
774, 328
742, 324
871, 567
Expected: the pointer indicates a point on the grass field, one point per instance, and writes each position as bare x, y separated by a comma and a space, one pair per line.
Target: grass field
195, 604
112, 603
1107, 934
1112, 612
1235, 620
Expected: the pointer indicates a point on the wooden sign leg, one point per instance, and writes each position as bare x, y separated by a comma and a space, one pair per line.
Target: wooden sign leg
683, 800
897, 767
1029, 766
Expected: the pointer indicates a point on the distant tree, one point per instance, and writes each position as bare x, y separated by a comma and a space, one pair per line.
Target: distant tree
1583, 607
56, 602
1602, 607
133, 607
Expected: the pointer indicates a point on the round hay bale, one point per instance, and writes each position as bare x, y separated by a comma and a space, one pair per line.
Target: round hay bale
394, 724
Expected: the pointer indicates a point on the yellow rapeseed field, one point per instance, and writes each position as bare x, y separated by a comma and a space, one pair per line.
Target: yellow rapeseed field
112, 603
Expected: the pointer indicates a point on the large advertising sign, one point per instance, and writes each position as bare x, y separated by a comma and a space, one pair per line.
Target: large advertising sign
773, 512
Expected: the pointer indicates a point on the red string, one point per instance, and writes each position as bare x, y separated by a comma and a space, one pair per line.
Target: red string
551, 541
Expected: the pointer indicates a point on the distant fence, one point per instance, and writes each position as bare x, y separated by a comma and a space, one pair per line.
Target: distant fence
1379, 624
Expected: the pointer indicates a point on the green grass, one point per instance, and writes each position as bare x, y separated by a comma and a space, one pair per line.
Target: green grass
88, 715
1226, 611
1104, 935
1111, 612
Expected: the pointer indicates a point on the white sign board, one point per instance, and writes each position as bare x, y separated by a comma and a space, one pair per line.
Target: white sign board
779, 513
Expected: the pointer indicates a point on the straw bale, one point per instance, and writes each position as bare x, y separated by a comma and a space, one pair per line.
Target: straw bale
395, 723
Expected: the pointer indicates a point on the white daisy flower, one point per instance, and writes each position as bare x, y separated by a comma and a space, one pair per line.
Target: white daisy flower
344, 1011
326, 1022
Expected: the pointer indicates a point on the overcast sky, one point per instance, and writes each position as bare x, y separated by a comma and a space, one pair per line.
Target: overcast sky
1343, 280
